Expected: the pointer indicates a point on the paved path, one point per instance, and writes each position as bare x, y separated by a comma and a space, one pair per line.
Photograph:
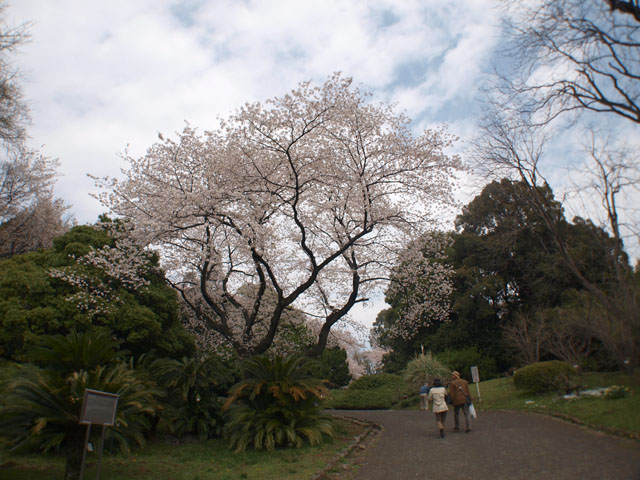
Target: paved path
502, 445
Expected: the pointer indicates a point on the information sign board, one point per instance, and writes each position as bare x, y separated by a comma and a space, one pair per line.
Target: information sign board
474, 374
99, 407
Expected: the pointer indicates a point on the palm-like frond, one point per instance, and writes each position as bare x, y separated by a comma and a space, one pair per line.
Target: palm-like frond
76, 351
275, 405
193, 406
42, 409
41, 406
284, 379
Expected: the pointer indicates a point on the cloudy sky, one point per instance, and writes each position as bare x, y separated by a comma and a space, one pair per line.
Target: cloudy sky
103, 75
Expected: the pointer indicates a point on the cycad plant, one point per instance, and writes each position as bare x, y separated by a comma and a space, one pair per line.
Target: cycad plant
43, 401
192, 402
277, 404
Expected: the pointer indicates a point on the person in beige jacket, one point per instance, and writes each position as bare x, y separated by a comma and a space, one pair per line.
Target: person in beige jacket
460, 399
437, 397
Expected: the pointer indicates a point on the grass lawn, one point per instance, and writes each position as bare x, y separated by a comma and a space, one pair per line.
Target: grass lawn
621, 415
196, 461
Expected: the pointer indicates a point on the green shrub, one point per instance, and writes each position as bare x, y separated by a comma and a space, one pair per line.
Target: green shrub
376, 399
463, 360
379, 380
370, 392
543, 377
617, 391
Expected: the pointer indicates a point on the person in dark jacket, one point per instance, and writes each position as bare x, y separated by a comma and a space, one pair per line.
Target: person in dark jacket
460, 399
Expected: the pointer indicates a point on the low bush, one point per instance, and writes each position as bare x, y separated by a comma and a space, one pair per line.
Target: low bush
615, 392
370, 392
376, 399
542, 377
379, 380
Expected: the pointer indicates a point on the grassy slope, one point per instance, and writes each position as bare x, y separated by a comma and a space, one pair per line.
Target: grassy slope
198, 461
621, 415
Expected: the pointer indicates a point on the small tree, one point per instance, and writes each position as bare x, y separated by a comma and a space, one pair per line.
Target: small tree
333, 366
527, 335
420, 286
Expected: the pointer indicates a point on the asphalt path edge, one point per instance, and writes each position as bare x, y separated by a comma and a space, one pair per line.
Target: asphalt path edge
371, 429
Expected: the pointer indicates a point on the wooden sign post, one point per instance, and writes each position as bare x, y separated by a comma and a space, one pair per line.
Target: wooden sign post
99, 408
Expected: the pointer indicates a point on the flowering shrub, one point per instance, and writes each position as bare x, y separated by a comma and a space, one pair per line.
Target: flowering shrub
617, 391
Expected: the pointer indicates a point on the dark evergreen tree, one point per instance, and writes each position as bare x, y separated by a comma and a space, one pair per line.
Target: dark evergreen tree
33, 302
332, 365
505, 264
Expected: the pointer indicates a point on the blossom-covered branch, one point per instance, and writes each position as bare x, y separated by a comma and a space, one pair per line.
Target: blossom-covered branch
310, 197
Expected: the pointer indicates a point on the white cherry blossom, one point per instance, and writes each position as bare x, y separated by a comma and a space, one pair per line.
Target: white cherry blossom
310, 196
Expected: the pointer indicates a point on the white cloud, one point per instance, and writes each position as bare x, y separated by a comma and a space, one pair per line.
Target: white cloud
103, 75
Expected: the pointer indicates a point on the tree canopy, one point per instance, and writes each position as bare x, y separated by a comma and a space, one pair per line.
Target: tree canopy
35, 302
14, 113
588, 49
505, 268
309, 196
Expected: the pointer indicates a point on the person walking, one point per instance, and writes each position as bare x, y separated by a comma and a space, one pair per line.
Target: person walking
437, 396
460, 399
424, 391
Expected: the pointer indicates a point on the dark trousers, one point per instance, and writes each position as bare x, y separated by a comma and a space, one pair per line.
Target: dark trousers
456, 415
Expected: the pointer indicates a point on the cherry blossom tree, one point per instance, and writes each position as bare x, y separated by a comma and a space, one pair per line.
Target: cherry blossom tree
311, 196
367, 362
30, 216
421, 286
